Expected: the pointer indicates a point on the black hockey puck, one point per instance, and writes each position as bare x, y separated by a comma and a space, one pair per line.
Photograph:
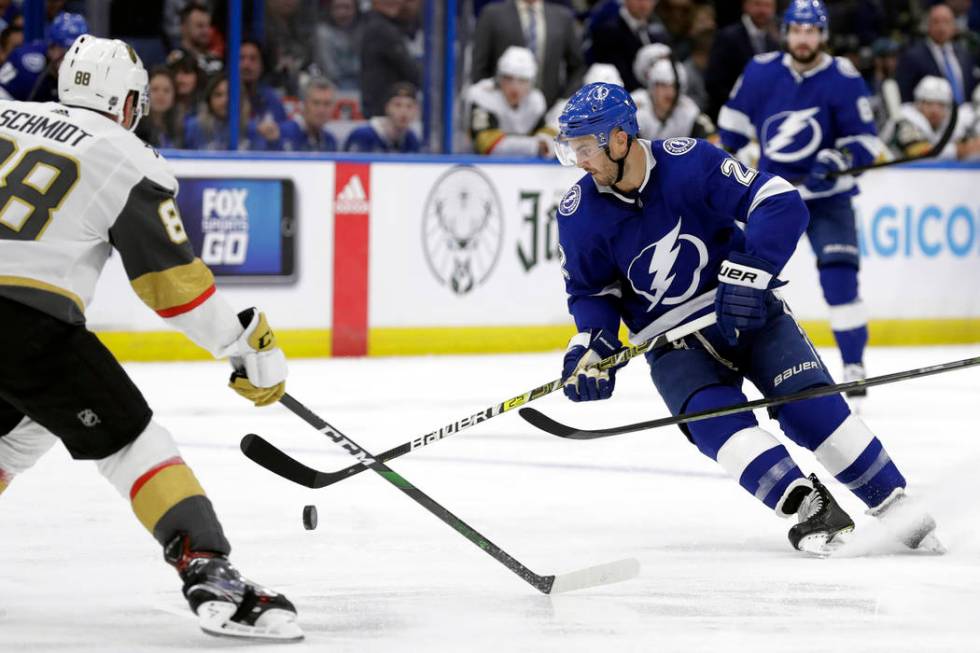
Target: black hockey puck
309, 517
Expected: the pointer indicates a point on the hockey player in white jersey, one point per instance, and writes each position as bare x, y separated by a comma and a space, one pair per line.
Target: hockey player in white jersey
78, 183
506, 113
661, 113
921, 123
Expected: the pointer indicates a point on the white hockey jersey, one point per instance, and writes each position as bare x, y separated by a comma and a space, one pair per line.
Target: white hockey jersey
685, 121
500, 129
912, 135
74, 184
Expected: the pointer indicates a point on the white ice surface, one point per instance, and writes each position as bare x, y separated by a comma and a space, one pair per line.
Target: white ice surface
78, 573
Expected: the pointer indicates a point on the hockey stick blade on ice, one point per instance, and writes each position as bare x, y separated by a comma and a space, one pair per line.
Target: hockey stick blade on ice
612, 572
541, 421
299, 473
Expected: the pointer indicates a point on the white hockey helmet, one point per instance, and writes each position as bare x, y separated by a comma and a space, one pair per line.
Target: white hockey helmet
662, 72
605, 73
517, 62
933, 89
646, 57
100, 74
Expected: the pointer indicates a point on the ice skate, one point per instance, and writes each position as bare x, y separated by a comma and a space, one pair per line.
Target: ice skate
908, 522
226, 603
821, 522
855, 396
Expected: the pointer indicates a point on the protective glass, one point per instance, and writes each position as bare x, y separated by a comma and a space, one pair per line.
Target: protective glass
577, 150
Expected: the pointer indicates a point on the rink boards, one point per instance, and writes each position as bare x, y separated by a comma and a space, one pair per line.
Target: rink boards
458, 254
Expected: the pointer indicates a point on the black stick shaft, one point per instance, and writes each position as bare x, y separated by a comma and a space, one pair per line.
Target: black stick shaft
545, 423
323, 479
541, 583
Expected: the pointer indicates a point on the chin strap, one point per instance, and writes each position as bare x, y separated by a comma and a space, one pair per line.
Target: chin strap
621, 162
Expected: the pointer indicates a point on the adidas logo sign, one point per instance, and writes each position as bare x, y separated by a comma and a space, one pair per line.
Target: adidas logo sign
352, 198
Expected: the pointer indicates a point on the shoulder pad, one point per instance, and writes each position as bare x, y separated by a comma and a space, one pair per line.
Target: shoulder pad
846, 68
537, 101
679, 145
767, 57
570, 202
147, 162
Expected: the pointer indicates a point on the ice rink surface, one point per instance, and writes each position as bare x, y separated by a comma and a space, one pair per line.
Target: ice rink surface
78, 572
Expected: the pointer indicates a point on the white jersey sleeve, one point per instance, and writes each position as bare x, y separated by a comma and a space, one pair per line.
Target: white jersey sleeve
76, 184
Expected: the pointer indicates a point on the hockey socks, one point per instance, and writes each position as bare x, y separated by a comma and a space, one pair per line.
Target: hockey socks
848, 317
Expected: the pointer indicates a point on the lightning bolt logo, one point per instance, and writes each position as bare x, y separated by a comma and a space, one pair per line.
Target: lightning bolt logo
661, 268
789, 125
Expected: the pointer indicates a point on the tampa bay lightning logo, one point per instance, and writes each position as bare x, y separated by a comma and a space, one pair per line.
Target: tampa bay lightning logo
571, 200
679, 145
600, 93
652, 272
791, 135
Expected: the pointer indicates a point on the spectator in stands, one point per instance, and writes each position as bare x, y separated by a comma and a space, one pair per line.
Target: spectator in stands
308, 131
263, 100
661, 113
937, 55
10, 15
702, 35
162, 126
547, 29
189, 83
391, 132
31, 70
337, 50
734, 45
195, 39
11, 38
678, 18
208, 129
506, 113
289, 30
920, 124
385, 57
617, 39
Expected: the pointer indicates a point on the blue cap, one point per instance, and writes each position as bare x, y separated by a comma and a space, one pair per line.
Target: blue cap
806, 12
65, 28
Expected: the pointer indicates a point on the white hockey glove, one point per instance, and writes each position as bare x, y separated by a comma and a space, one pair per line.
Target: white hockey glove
260, 366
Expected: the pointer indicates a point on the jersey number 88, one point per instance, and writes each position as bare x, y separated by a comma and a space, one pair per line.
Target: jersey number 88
32, 190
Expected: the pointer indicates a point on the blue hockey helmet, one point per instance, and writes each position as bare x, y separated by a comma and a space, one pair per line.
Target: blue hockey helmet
65, 28
594, 110
806, 12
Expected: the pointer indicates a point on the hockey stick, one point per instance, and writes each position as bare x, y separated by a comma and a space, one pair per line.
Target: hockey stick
299, 473
612, 572
933, 152
545, 423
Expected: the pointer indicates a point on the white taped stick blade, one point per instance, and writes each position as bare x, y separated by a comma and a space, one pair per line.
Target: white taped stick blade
611, 572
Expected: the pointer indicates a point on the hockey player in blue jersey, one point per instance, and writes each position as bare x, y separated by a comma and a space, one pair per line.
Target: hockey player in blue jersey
31, 71
661, 233
812, 116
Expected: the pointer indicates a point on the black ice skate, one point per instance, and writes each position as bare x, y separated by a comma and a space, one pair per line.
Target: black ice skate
908, 522
821, 523
228, 604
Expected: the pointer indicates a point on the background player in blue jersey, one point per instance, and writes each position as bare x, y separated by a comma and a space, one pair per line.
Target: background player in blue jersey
661, 233
31, 71
811, 115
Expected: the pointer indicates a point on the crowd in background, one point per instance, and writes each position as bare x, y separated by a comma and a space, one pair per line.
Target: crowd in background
332, 75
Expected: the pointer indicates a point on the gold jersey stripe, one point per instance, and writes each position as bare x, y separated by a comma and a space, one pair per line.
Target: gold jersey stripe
164, 490
174, 286
24, 282
487, 139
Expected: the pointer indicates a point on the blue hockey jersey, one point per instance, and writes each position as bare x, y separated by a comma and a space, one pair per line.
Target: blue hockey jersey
794, 116
652, 258
24, 75
368, 138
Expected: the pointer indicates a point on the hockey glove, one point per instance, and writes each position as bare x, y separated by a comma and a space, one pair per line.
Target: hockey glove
827, 161
740, 301
584, 350
260, 366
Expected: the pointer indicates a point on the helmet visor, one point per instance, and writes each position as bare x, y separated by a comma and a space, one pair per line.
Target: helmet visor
577, 149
